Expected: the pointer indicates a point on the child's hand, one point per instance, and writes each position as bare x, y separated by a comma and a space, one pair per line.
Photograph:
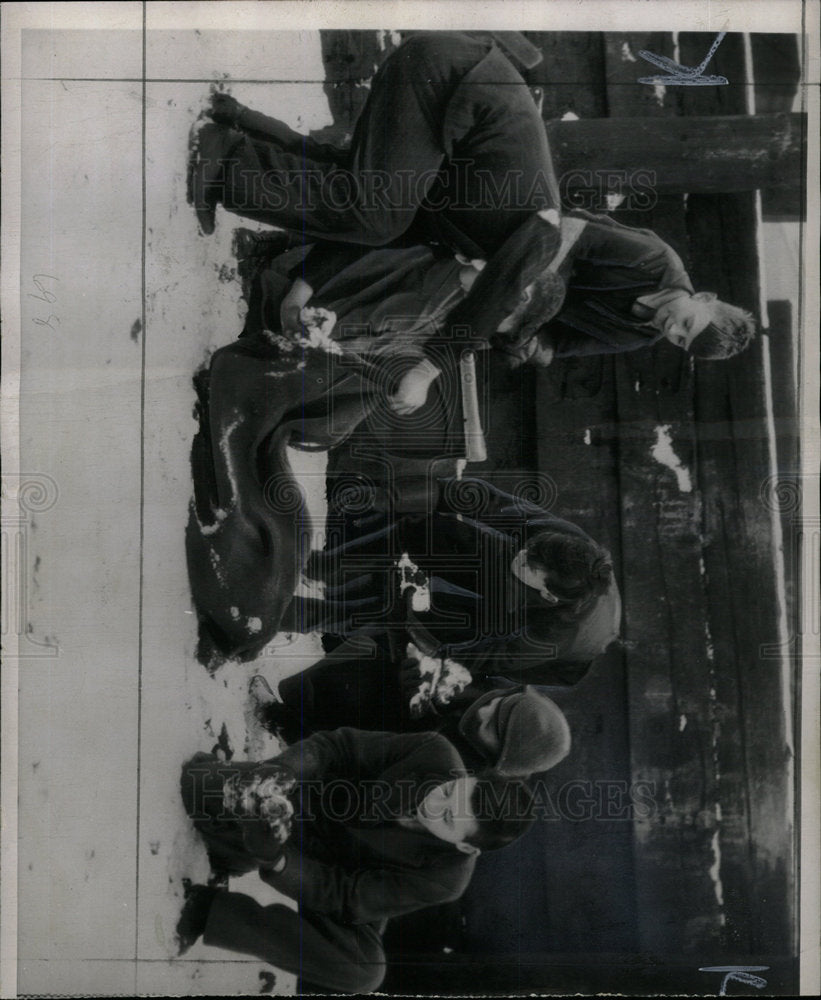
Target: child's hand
290, 319
290, 309
412, 391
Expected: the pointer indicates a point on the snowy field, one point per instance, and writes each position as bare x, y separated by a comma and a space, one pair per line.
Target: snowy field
112, 700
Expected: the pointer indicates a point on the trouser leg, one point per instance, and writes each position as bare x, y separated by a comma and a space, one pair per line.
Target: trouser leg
339, 617
355, 685
314, 947
396, 153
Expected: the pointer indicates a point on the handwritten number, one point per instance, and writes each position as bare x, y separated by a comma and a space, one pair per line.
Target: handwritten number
45, 295
47, 322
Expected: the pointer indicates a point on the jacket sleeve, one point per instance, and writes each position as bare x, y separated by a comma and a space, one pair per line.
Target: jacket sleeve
516, 657
611, 257
261, 126
496, 292
569, 342
529, 654
326, 260
366, 895
356, 753
478, 499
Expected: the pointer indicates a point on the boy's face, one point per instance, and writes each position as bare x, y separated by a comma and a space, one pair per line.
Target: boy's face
682, 319
537, 578
486, 730
446, 811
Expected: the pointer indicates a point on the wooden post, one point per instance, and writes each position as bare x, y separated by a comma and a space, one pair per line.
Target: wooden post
709, 154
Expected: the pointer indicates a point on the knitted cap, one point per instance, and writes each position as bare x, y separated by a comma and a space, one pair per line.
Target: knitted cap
528, 731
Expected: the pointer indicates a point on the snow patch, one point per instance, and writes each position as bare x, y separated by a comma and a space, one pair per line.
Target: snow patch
319, 324
411, 576
279, 340
708, 643
715, 869
682, 723
570, 116
587, 438
442, 680
384, 35
659, 93
254, 625
215, 566
627, 53
226, 454
662, 452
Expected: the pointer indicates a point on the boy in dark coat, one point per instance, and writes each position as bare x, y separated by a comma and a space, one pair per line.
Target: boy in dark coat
515, 729
516, 592
385, 825
450, 150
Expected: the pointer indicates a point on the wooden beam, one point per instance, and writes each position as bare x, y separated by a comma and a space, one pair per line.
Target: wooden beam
709, 154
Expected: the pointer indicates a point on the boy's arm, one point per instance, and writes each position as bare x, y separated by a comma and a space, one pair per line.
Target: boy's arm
355, 753
498, 289
366, 895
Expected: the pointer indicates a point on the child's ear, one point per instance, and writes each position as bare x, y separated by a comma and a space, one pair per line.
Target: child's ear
467, 848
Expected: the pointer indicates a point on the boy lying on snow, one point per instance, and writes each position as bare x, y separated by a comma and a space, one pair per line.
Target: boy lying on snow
322, 347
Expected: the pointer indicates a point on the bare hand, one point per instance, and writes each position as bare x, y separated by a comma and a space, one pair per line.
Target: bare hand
411, 393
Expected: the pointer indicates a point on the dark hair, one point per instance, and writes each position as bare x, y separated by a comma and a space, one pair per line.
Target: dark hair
504, 808
547, 298
578, 569
730, 332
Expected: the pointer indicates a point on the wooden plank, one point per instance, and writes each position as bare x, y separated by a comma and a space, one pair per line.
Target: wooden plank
571, 974
671, 717
671, 723
588, 866
727, 61
708, 154
782, 344
739, 560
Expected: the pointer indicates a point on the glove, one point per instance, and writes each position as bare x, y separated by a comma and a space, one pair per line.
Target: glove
225, 110
261, 842
410, 676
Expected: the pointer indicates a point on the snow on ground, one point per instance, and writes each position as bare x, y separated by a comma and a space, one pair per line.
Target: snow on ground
106, 725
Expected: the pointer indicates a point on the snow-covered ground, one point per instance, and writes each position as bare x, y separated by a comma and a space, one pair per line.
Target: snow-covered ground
106, 412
